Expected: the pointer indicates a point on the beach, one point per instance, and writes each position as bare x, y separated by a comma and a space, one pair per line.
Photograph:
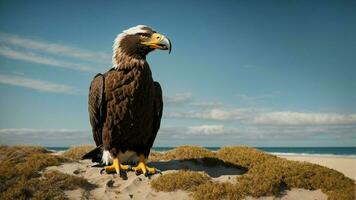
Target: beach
187, 172
345, 165
139, 187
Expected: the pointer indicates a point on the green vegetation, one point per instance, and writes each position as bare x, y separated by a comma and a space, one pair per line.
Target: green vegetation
77, 152
266, 175
21, 178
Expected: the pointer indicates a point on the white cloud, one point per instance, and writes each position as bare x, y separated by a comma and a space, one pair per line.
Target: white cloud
244, 97
47, 137
31, 57
39, 85
218, 134
214, 114
207, 104
259, 116
54, 132
53, 48
178, 99
254, 99
186, 99
206, 130
300, 118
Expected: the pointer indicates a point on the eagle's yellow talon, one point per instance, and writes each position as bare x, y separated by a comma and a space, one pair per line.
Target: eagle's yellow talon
110, 168
116, 167
142, 167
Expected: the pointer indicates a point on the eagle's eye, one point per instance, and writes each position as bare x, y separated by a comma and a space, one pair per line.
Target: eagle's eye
144, 35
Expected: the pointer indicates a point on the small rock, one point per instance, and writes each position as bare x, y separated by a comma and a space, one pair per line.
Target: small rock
110, 183
131, 196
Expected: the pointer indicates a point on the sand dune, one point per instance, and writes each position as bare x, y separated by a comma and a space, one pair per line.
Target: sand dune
110, 186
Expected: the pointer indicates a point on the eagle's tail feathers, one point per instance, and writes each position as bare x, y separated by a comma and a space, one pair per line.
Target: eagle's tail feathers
106, 157
95, 155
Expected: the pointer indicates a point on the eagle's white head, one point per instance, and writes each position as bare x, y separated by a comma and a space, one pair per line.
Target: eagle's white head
136, 42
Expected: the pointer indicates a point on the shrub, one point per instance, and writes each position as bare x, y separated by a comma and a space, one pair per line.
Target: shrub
77, 152
266, 175
21, 178
180, 180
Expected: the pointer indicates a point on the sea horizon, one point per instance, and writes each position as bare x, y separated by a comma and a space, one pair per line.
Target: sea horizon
301, 151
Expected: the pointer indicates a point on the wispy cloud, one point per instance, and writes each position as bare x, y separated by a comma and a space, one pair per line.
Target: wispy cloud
206, 130
186, 99
47, 132
47, 137
207, 104
300, 118
220, 114
262, 117
178, 99
254, 99
39, 85
31, 57
53, 48
218, 134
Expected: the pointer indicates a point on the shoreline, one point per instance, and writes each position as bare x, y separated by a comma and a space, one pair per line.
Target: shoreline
352, 156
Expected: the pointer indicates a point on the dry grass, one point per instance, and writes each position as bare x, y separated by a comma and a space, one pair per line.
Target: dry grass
21, 178
155, 156
18, 153
246, 157
187, 153
216, 191
77, 152
267, 175
180, 180
50, 186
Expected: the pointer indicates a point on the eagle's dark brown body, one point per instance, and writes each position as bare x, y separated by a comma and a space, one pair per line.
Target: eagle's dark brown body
134, 104
129, 115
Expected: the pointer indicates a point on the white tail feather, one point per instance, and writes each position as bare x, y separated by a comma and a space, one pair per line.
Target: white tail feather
106, 159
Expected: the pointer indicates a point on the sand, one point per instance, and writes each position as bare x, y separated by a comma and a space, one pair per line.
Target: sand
111, 186
345, 165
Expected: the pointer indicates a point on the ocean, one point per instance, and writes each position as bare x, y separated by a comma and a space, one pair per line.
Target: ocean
303, 151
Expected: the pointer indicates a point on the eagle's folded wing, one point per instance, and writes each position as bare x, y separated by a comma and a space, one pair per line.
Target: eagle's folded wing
158, 109
95, 107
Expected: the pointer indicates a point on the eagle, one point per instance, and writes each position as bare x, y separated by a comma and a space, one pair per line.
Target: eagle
125, 103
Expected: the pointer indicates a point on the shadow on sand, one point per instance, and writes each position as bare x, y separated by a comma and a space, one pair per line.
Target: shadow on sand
214, 167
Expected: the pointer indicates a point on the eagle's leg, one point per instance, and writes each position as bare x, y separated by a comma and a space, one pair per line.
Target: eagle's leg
117, 167
142, 167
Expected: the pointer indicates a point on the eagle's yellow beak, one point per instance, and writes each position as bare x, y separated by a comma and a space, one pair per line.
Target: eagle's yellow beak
158, 41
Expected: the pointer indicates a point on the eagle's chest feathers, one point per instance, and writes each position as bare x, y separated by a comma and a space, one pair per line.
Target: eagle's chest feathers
129, 94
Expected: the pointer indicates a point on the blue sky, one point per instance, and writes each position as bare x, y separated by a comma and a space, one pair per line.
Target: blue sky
260, 73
